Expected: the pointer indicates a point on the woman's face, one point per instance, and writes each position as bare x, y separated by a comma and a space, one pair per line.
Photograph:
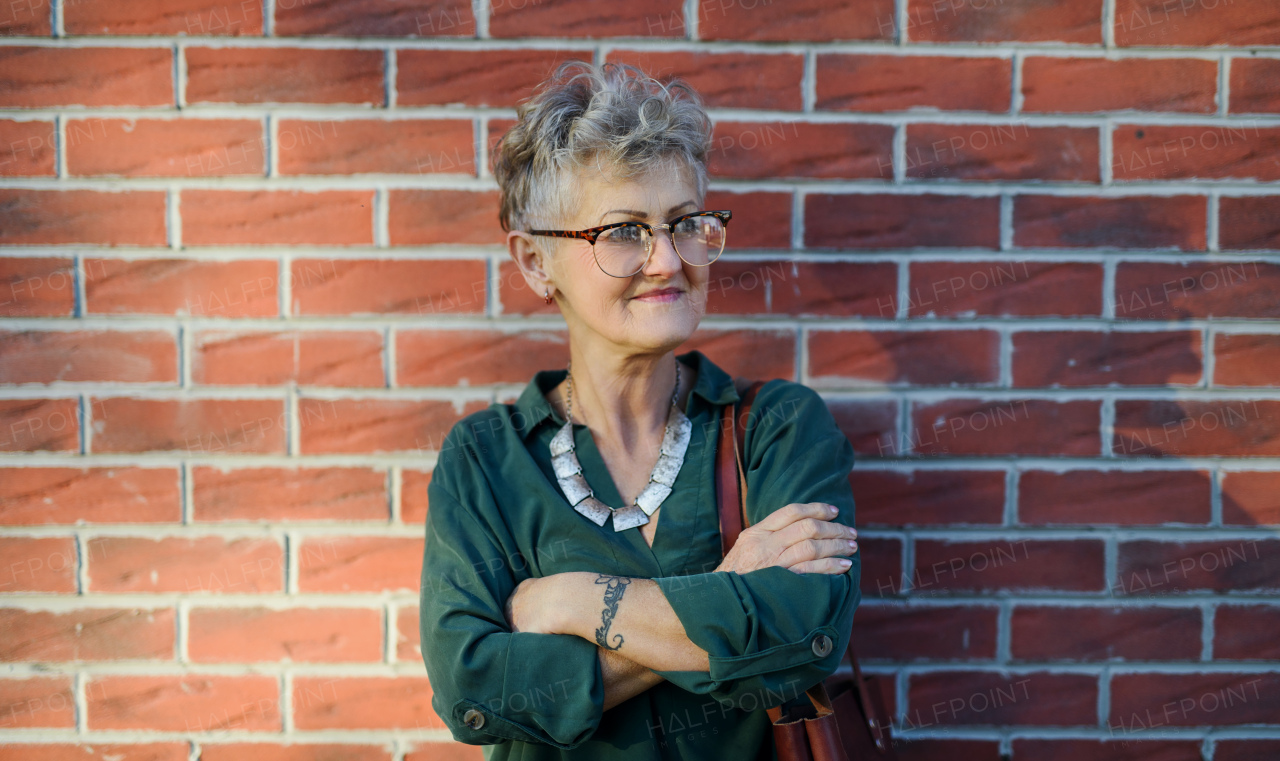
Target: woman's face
598, 306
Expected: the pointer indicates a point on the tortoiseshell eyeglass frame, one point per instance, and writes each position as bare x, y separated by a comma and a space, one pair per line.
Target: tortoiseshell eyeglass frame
591, 233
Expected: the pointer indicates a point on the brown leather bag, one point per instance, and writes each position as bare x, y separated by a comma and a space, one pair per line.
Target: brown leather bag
844, 718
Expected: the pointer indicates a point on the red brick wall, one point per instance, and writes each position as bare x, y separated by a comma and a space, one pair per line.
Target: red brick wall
251, 274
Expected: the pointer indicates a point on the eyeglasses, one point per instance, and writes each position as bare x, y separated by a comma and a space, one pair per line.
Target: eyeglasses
622, 248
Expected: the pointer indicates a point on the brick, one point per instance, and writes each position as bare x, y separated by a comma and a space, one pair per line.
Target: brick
31, 146
934, 632
293, 635
41, 286
1045, 633
1178, 152
33, 496
843, 289
1102, 750
804, 20
1147, 222
1003, 289
1006, 427
870, 425
169, 751
258, 751
881, 566
947, 750
165, 147
1246, 633
892, 221
761, 219
413, 495
1115, 497
1019, 21
198, 18
124, 424
878, 83
434, 217
583, 18
46, 77
1248, 499
1001, 152
1053, 84
754, 353
43, 564
277, 217
475, 357
992, 565
370, 146
284, 75
354, 426
376, 18
917, 357
48, 356
497, 78
346, 358
768, 150
29, 19
1155, 290
62, 217
125, 564
289, 494
359, 564
403, 702
1146, 568
420, 287
929, 497
1153, 22
1246, 750
36, 425
91, 634
191, 703
976, 698
1072, 358
1191, 428
237, 288
1245, 359
727, 80
1143, 701
408, 644
1253, 89
37, 702
1249, 223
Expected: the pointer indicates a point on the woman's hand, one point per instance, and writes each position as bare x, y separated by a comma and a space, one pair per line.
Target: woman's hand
800, 537
525, 610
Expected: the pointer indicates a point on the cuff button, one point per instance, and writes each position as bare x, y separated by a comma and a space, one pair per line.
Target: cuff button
821, 645
473, 719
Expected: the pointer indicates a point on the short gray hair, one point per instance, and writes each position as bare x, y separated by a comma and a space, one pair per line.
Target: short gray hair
617, 115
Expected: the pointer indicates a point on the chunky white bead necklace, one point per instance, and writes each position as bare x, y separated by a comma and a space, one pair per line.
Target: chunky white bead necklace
575, 487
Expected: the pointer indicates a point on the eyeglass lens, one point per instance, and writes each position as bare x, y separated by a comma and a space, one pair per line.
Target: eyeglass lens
622, 251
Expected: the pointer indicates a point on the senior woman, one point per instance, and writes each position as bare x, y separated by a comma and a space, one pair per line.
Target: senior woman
575, 602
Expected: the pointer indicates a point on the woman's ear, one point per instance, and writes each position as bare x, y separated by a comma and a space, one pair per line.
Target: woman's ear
534, 262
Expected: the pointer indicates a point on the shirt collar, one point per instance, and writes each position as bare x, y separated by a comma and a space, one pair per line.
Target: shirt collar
713, 385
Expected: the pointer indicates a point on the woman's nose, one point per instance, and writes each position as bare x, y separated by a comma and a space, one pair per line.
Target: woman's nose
663, 259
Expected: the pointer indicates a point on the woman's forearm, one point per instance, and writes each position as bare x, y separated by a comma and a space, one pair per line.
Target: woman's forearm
629, 616
623, 678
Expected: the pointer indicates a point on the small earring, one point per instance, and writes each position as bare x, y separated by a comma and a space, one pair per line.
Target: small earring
546, 296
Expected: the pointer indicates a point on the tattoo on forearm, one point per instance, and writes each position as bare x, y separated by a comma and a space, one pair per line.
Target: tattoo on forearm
614, 589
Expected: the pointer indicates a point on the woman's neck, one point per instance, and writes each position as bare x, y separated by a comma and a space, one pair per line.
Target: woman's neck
623, 400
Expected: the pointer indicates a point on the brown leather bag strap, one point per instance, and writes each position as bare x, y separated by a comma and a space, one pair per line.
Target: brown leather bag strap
731, 482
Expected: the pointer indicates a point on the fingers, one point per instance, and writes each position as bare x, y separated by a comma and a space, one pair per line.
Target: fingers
796, 511
823, 565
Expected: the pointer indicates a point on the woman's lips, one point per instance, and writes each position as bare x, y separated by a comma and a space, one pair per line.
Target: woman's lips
666, 294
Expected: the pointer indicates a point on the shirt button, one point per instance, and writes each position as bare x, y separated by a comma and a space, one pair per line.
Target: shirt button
473, 719
821, 645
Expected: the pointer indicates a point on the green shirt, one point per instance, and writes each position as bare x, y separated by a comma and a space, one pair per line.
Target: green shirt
497, 516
